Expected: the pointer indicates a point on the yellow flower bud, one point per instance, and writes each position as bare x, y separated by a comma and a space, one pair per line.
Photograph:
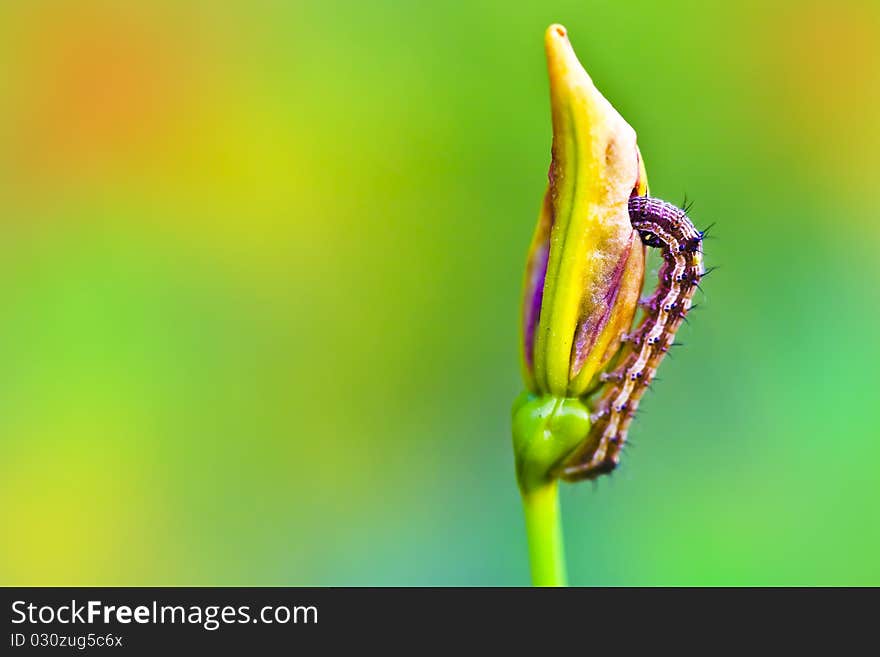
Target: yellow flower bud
586, 263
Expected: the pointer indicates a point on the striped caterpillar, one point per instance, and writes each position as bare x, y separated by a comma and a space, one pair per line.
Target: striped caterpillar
666, 227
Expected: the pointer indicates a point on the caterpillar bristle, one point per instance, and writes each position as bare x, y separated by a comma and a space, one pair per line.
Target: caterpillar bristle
704, 234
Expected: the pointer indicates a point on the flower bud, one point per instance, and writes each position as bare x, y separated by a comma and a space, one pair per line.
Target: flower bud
586, 264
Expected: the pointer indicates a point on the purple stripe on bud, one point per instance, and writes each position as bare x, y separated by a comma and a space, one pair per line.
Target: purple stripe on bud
537, 272
592, 325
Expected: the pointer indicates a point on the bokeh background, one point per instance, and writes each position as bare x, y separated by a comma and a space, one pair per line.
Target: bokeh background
260, 270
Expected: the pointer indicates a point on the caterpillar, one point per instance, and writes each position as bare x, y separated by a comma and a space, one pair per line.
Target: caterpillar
666, 227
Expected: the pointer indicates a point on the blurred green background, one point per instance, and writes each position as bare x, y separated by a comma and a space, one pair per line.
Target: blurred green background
259, 291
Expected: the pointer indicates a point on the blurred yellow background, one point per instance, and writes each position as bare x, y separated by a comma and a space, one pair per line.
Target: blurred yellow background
260, 272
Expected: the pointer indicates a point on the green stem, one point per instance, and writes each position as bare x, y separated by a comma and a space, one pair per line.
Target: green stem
544, 531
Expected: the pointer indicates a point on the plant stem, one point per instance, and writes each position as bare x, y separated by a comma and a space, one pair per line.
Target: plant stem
544, 532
